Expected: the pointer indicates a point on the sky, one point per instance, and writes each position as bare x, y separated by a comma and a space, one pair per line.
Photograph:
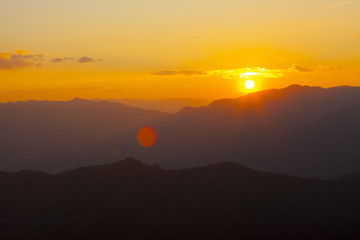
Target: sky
155, 49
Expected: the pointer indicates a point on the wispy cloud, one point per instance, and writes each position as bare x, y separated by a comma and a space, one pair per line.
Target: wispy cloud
330, 68
180, 72
340, 4
57, 60
60, 60
299, 68
247, 73
228, 74
86, 60
19, 60
24, 59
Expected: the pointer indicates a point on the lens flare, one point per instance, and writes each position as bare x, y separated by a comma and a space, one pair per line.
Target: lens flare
147, 136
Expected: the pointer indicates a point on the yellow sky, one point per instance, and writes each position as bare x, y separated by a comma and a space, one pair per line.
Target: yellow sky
162, 49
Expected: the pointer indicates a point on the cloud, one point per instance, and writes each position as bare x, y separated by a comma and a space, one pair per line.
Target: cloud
180, 72
299, 68
19, 60
228, 74
330, 68
57, 60
340, 4
22, 52
85, 60
7, 64
31, 57
60, 60
248, 73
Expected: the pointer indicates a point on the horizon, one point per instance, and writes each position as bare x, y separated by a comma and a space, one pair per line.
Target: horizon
176, 98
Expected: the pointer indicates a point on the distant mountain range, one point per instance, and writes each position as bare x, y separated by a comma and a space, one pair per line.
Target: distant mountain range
35, 130
130, 200
303, 131
298, 130
171, 105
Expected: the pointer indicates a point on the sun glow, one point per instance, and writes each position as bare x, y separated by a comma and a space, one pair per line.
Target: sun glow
249, 84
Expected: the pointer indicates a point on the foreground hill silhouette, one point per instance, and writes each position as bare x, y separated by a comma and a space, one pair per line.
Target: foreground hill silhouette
36, 130
130, 200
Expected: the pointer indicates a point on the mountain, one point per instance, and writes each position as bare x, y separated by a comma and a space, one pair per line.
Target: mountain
299, 130
130, 200
170, 105
33, 132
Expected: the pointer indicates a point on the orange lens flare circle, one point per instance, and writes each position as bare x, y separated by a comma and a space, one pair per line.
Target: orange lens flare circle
147, 136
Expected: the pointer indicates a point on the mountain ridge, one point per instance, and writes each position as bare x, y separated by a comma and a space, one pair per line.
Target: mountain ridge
169, 105
297, 134
34, 130
262, 132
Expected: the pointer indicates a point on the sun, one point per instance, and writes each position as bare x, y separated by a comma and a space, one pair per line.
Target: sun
249, 84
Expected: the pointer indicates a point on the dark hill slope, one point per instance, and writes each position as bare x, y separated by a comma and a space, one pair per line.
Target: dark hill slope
129, 200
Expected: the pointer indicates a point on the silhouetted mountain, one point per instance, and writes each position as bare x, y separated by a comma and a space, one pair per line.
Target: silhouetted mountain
304, 131
36, 130
298, 130
129, 200
170, 105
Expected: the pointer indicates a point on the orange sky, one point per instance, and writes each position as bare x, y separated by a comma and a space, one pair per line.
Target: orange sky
58, 50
